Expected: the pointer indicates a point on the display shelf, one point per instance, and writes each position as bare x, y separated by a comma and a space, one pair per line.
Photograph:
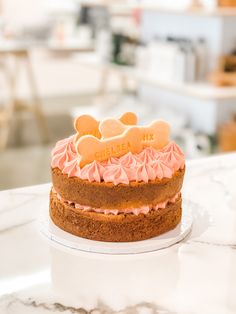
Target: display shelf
202, 91
217, 12
114, 9
127, 9
93, 3
70, 47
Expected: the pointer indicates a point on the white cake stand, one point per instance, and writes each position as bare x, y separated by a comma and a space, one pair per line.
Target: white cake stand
67, 240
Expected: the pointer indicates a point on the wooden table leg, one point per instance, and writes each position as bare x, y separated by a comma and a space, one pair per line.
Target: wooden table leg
7, 112
36, 106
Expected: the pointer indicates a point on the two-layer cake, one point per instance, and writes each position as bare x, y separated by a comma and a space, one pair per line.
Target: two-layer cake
115, 181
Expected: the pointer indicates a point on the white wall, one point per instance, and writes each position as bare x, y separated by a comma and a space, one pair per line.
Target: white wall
23, 12
55, 75
189, 26
220, 34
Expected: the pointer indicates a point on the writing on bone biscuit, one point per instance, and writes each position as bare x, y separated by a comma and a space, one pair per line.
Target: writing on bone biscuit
155, 134
91, 148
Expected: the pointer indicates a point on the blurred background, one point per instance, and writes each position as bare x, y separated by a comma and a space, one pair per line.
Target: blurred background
174, 60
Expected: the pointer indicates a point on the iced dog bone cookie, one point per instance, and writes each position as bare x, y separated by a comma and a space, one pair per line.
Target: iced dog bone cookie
111, 127
87, 125
91, 148
155, 134
129, 118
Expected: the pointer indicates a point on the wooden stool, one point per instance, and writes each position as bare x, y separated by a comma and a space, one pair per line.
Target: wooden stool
7, 114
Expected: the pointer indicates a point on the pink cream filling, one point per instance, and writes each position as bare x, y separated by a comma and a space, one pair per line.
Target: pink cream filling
136, 211
148, 165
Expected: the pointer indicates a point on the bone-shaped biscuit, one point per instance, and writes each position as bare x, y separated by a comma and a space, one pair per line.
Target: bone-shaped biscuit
129, 118
155, 134
87, 125
110, 127
91, 148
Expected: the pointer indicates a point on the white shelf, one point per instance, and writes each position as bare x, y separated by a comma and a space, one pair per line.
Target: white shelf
93, 3
127, 9
70, 47
218, 12
114, 9
202, 91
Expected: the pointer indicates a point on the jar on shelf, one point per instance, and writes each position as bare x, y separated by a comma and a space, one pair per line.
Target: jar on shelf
227, 136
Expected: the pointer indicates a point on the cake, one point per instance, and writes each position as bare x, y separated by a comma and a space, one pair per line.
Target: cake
115, 181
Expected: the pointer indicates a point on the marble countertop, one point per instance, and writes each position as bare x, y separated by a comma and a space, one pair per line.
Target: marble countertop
197, 275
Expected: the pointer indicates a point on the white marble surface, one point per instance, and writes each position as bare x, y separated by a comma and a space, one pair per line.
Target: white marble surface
197, 275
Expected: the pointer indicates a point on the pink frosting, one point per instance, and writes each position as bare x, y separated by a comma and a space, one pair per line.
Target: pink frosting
148, 155
161, 169
64, 157
173, 156
143, 167
129, 160
136, 211
116, 174
145, 172
92, 172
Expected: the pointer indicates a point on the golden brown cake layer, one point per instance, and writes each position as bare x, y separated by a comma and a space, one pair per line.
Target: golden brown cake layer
109, 196
114, 228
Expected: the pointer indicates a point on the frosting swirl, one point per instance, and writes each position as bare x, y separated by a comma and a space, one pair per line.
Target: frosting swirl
92, 172
143, 167
71, 168
129, 160
145, 172
64, 157
173, 156
148, 155
161, 169
116, 174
